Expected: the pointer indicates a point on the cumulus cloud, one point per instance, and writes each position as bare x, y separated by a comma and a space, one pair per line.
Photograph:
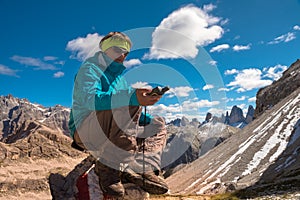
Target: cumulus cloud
296, 28
190, 105
59, 62
54, 59
4, 70
182, 91
183, 31
284, 38
242, 98
241, 47
132, 62
140, 84
58, 74
163, 109
219, 48
253, 78
189, 109
213, 62
249, 79
83, 47
252, 99
275, 72
208, 87
33, 62
231, 71
223, 89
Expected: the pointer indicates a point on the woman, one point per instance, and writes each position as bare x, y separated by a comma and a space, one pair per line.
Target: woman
106, 116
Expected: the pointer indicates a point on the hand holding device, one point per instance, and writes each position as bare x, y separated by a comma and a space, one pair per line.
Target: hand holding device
158, 91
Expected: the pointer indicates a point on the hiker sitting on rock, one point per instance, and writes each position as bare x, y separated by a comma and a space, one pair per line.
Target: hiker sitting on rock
106, 119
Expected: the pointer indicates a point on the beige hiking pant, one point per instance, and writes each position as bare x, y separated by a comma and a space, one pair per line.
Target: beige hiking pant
113, 137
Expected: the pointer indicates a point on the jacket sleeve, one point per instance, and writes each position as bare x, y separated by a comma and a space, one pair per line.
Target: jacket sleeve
88, 87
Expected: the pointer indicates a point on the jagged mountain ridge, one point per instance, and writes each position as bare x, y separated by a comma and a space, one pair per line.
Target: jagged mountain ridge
235, 118
16, 112
289, 82
256, 156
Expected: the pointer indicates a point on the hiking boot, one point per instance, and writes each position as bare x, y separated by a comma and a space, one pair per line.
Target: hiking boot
148, 181
109, 180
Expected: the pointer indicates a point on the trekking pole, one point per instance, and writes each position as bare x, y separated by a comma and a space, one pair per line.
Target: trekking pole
143, 144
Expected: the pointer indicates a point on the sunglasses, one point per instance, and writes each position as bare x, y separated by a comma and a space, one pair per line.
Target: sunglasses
119, 50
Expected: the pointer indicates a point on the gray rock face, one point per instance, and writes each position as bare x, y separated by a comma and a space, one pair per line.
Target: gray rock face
237, 119
269, 96
187, 143
236, 115
250, 114
184, 121
15, 112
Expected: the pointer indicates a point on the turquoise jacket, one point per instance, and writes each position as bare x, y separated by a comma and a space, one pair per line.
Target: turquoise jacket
99, 85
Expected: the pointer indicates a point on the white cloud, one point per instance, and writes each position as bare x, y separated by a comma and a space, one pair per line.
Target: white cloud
244, 108
208, 87
209, 7
140, 85
249, 79
252, 99
132, 62
213, 62
241, 47
252, 78
242, 98
275, 72
223, 89
182, 91
190, 105
183, 31
4, 70
284, 38
189, 109
59, 62
219, 48
296, 28
163, 110
229, 99
34, 62
231, 71
83, 47
237, 37
58, 74
47, 58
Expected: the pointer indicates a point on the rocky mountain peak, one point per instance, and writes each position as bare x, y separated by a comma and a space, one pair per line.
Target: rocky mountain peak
269, 96
236, 115
15, 112
250, 114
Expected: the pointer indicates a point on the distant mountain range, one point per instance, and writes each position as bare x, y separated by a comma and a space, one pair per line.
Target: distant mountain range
235, 118
16, 114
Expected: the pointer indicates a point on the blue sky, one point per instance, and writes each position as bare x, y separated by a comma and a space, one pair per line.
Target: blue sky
213, 54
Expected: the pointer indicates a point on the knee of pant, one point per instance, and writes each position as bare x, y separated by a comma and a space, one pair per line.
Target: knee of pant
159, 120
